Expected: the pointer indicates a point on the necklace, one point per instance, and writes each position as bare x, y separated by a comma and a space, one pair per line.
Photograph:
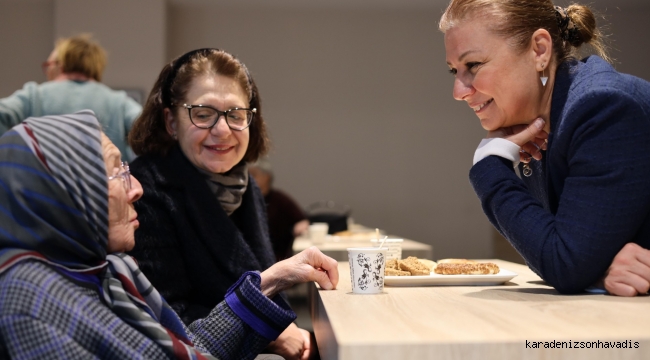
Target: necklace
526, 170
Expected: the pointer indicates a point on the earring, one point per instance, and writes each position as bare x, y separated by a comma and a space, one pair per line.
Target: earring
175, 136
543, 78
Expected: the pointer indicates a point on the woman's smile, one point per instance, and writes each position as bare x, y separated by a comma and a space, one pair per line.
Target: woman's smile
479, 108
219, 149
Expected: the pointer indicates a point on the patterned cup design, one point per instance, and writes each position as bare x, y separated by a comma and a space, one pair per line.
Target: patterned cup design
367, 269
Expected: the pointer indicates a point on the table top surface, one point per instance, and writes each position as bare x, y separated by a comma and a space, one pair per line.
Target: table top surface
466, 320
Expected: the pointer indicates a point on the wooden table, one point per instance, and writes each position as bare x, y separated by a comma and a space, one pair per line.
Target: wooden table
477, 322
338, 249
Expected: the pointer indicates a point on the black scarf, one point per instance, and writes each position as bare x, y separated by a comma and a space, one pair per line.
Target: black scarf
212, 248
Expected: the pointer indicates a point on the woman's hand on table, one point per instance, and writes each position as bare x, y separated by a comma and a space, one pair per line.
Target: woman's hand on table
293, 343
629, 273
531, 138
308, 265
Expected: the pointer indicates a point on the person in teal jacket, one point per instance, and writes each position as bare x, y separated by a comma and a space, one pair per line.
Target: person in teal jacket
74, 73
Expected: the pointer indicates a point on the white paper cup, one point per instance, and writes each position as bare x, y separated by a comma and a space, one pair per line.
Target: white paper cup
367, 267
318, 232
394, 247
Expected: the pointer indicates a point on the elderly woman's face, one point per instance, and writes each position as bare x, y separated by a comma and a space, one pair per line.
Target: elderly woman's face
499, 84
219, 148
122, 218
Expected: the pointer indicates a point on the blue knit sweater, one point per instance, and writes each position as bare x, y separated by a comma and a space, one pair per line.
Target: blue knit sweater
590, 194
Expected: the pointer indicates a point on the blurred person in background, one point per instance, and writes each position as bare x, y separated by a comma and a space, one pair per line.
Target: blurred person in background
286, 218
74, 72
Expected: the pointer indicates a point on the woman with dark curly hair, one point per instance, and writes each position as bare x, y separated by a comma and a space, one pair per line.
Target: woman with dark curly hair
203, 218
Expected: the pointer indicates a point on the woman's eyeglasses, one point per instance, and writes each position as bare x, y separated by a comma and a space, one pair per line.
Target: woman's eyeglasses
124, 174
205, 117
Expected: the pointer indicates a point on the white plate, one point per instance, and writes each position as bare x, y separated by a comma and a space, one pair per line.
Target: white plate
458, 280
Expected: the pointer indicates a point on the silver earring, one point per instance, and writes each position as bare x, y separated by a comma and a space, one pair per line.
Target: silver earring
543, 78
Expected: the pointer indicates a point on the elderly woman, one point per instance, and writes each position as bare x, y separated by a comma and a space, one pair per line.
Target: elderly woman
65, 205
586, 194
203, 219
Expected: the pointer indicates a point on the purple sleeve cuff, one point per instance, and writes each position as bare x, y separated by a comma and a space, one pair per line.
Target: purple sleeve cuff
268, 317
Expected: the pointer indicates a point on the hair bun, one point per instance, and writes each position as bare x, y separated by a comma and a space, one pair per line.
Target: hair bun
584, 25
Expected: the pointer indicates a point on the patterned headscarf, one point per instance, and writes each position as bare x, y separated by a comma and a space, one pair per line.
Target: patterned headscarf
54, 208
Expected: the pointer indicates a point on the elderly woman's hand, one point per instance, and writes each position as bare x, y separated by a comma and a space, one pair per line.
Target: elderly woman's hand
293, 344
309, 265
629, 273
531, 138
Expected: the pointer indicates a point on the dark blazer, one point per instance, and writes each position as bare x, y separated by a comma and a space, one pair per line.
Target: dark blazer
590, 194
187, 245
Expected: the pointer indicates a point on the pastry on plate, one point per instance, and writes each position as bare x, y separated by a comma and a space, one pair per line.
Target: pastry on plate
428, 263
411, 266
467, 269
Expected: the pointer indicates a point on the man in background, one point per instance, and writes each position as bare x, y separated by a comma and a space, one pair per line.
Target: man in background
286, 218
74, 72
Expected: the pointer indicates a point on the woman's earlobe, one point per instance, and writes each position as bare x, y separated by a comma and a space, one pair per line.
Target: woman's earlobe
170, 123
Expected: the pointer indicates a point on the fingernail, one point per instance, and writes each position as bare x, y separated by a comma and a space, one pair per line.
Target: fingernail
539, 123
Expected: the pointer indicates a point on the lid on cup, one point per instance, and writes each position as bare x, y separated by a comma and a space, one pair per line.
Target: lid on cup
366, 249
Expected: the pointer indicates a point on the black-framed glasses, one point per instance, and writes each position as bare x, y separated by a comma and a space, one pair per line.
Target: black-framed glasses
124, 174
205, 117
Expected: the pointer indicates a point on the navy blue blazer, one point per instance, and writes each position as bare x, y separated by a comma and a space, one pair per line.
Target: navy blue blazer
590, 194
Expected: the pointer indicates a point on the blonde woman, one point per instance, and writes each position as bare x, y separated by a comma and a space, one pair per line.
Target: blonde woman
577, 130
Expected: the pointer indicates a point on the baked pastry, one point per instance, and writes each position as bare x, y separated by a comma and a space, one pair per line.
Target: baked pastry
395, 272
392, 264
412, 265
428, 263
467, 269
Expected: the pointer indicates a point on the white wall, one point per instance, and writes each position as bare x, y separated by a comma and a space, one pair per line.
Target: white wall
357, 98
629, 38
26, 41
133, 33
